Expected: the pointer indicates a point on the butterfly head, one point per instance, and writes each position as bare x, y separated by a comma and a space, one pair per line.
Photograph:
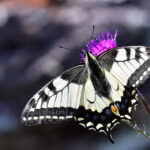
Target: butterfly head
90, 60
89, 57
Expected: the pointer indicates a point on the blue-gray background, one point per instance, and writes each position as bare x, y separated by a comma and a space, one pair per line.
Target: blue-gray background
30, 33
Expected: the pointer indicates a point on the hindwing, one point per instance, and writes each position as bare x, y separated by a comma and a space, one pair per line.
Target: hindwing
95, 111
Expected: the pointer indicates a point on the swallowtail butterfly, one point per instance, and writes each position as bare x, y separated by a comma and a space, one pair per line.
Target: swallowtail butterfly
98, 94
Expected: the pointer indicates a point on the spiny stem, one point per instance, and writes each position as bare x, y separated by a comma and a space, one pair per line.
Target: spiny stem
140, 131
147, 109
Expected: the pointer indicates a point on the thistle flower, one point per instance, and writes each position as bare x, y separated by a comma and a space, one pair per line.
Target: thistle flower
102, 43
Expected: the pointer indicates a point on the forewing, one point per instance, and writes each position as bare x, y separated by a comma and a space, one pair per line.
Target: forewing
58, 100
130, 65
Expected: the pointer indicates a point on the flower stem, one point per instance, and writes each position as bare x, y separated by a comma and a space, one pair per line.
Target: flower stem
140, 131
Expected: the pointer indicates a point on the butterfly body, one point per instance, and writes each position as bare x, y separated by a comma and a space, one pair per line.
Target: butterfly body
98, 94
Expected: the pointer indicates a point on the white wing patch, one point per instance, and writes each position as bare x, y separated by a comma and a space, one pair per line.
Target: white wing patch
89, 90
117, 88
57, 103
116, 70
38, 106
121, 56
48, 92
74, 95
133, 53
65, 94
59, 83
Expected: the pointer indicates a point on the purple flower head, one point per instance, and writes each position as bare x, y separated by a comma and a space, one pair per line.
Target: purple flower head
102, 43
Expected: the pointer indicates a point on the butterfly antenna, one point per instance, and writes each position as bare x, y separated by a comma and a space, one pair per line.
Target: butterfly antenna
65, 47
92, 32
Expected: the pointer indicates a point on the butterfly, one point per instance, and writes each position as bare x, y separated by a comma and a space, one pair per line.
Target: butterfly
98, 94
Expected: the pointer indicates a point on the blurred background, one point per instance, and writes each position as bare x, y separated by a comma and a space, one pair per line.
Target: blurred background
30, 34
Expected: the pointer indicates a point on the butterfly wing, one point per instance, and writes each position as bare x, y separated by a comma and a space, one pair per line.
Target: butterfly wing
130, 65
58, 100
